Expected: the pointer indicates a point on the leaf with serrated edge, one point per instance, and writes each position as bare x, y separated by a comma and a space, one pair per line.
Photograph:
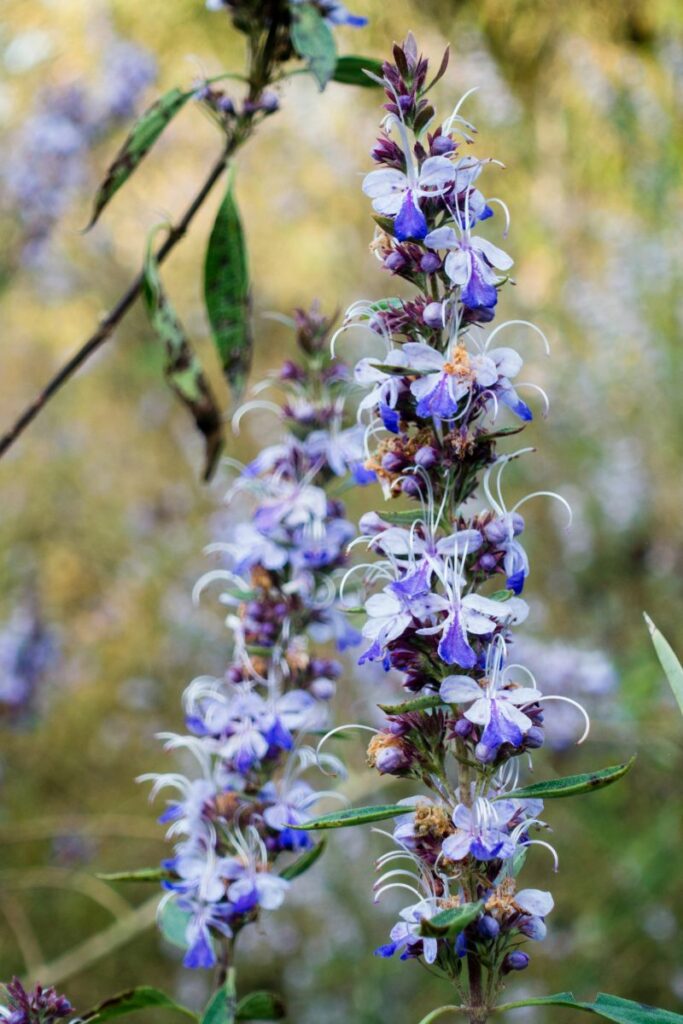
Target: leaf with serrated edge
227, 294
313, 40
303, 863
571, 785
452, 921
132, 1000
355, 816
142, 137
668, 660
260, 1006
182, 368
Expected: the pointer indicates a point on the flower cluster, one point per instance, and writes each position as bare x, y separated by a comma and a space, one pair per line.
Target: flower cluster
40, 1006
444, 589
47, 158
246, 730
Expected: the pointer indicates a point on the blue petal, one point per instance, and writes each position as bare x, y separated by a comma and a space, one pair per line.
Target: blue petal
478, 293
509, 397
363, 476
454, 648
410, 221
200, 954
388, 950
390, 418
515, 582
439, 401
500, 730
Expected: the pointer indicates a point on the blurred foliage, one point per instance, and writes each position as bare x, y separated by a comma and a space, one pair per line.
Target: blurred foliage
103, 517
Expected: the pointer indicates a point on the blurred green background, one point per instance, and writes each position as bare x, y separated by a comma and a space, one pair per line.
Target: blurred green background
103, 519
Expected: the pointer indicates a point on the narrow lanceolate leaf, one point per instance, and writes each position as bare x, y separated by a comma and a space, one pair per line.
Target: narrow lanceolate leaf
355, 816
572, 785
614, 1008
668, 660
404, 517
303, 863
260, 1006
451, 922
141, 875
142, 998
143, 135
351, 70
226, 293
313, 40
182, 369
418, 704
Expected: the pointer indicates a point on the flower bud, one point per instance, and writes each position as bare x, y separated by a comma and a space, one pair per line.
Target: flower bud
488, 927
393, 463
427, 456
411, 488
534, 738
323, 688
442, 145
462, 728
433, 313
515, 961
394, 262
487, 563
429, 264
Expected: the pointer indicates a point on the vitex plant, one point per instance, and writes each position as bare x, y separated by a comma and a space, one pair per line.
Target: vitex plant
447, 573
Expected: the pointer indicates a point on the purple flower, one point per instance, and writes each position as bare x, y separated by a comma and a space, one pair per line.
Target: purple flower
470, 265
405, 935
480, 831
397, 194
495, 706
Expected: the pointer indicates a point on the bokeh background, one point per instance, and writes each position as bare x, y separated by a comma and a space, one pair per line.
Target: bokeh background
103, 518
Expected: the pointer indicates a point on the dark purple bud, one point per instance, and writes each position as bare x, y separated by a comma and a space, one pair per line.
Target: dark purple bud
515, 961
427, 456
462, 728
411, 488
290, 371
433, 313
442, 145
487, 563
405, 102
394, 262
225, 105
429, 264
488, 927
393, 463
534, 738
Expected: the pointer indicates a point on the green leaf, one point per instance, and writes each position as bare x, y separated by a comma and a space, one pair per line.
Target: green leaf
313, 40
303, 863
351, 71
571, 785
404, 517
451, 922
173, 922
142, 137
141, 875
226, 293
668, 660
220, 1008
431, 700
260, 1006
132, 1000
622, 1011
182, 368
355, 816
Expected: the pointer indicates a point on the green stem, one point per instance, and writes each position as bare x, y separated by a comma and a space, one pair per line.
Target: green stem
440, 1011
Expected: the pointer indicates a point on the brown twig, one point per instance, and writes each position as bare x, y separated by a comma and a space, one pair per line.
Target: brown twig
116, 314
